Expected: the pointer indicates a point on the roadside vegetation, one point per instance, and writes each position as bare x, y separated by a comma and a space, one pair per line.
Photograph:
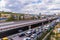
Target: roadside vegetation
18, 16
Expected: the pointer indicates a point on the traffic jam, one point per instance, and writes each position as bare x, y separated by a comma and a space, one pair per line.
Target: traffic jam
31, 34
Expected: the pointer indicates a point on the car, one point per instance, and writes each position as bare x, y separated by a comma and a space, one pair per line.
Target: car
27, 38
38, 33
11, 39
58, 20
28, 33
34, 31
46, 27
53, 24
5, 38
21, 34
33, 36
40, 28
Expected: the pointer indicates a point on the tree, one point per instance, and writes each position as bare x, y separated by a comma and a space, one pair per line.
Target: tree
11, 18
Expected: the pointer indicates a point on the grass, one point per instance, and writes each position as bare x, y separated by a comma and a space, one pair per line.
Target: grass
42, 36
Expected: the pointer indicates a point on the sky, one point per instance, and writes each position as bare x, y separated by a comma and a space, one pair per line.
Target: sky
31, 6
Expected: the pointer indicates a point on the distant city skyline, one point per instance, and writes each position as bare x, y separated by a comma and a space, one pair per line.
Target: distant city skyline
31, 6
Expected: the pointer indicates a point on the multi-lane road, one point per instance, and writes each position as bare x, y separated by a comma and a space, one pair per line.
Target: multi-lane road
16, 24
17, 37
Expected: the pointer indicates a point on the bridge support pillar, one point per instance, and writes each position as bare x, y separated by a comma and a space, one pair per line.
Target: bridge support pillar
49, 21
29, 27
42, 23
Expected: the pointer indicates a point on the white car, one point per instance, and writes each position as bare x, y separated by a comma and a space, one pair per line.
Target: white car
46, 27
27, 38
58, 20
28, 33
33, 35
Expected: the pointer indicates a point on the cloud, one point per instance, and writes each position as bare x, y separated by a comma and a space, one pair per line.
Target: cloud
18, 5
2, 5
30, 6
34, 8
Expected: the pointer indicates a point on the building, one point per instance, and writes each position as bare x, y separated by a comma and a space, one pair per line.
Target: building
5, 15
28, 17
17, 16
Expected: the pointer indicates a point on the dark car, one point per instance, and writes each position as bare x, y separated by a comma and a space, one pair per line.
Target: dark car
21, 35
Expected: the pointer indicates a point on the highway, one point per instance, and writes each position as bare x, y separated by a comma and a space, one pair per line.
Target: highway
16, 36
18, 24
11, 28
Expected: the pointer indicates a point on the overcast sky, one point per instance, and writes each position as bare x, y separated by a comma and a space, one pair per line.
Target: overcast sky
30, 6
